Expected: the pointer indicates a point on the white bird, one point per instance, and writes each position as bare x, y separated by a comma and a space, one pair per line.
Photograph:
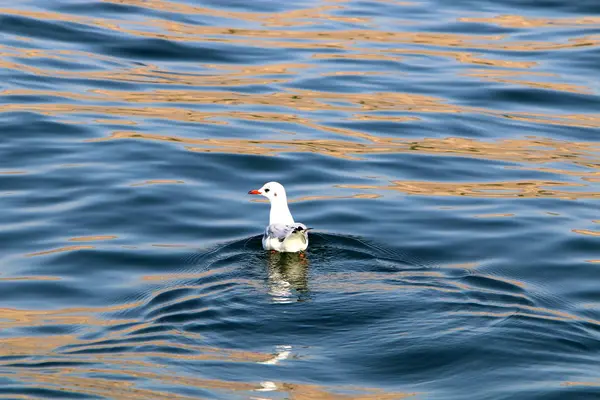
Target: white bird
282, 234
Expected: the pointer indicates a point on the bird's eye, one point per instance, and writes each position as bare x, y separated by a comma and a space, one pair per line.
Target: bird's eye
267, 190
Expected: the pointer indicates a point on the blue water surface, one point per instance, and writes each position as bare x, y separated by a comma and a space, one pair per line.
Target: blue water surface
447, 155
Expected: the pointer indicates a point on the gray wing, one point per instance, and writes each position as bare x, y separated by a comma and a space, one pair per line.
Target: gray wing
282, 231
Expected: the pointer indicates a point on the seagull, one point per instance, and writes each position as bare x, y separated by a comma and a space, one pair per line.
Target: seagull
283, 234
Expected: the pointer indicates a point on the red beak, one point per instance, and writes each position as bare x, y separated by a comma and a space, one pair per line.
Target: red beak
254, 192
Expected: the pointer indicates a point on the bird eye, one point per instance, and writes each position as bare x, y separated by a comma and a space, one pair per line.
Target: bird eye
267, 190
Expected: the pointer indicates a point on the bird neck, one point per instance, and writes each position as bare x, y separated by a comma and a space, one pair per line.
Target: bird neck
280, 213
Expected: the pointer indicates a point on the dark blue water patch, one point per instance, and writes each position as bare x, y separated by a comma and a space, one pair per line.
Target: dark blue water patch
176, 313
48, 329
373, 9
10, 358
411, 363
106, 350
542, 127
25, 125
183, 317
194, 392
161, 49
558, 34
44, 393
27, 293
575, 391
59, 65
539, 9
142, 348
6, 381
448, 168
56, 30
313, 167
57, 199
104, 262
126, 12
469, 28
344, 84
534, 99
366, 63
486, 282
32, 81
169, 296
579, 246
587, 294
163, 328
101, 8
30, 99
14, 43
556, 6
578, 60
113, 377
260, 6
50, 364
270, 330
128, 340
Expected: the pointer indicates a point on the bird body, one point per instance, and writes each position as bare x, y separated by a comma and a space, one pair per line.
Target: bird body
285, 238
282, 234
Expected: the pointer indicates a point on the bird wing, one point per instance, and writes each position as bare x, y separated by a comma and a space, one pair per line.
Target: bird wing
282, 231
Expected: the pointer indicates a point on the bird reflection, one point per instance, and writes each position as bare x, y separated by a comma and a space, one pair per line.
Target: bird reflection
287, 283
288, 277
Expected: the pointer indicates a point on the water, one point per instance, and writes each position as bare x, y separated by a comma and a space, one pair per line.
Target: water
446, 154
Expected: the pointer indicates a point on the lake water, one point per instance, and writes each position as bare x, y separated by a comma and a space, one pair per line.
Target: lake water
447, 155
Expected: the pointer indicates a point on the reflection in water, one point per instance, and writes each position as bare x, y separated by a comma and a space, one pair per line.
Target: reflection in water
92, 238
519, 21
282, 353
288, 277
119, 350
531, 150
526, 189
60, 250
288, 283
134, 342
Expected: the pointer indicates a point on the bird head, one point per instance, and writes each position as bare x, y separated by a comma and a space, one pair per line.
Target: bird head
274, 191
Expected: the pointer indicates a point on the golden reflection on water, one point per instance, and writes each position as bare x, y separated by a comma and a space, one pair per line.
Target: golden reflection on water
507, 189
92, 238
31, 278
586, 232
280, 29
496, 215
574, 383
122, 374
509, 78
534, 151
519, 21
158, 182
298, 99
59, 250
117, 382
182, 276
15, 318
113, 378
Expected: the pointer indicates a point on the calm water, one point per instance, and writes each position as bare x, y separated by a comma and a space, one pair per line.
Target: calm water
446, 153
